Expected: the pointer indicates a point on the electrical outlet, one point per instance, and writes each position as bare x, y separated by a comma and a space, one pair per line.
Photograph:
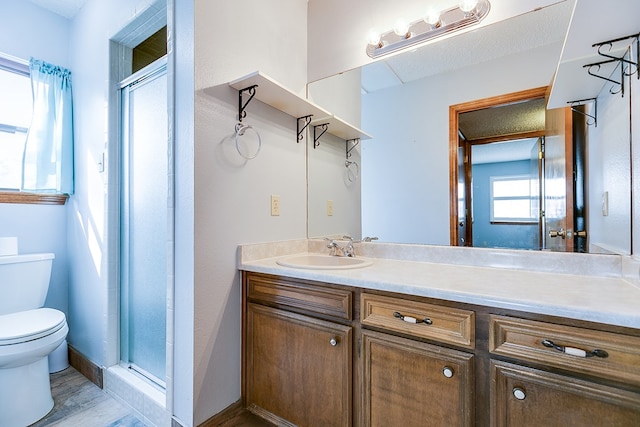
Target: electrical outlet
329, 207
275, 205
605, 203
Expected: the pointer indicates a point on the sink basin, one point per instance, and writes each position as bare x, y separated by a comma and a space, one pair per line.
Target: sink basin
323, 262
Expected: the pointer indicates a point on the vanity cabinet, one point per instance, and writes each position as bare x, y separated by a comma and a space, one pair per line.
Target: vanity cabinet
412, 383
574, 395
298, 367
523, 396
318, 354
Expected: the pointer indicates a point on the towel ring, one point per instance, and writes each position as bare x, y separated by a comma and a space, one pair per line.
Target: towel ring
353, 170
240, 130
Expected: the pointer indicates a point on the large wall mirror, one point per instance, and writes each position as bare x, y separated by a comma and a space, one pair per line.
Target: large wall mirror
401, 189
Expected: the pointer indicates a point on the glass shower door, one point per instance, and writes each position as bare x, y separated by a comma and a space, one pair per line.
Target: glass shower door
145, 228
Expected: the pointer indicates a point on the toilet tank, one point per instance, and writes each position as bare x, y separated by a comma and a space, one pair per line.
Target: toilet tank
24, 281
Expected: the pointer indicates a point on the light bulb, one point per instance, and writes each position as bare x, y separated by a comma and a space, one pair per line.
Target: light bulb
468, 5
374, 37
401, 28
432, 17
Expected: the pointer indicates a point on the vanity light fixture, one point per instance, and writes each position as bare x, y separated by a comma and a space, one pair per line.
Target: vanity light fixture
434, 24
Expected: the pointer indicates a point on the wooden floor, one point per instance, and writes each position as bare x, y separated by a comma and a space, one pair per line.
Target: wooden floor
79, 402
246, 419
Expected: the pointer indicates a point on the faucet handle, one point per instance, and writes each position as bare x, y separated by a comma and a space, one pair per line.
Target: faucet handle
369, 239
346, 236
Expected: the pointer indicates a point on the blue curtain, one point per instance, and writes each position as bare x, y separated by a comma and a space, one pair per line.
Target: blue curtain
48, 153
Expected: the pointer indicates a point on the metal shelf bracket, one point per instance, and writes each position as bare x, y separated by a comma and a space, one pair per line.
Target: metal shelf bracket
316, 137
591, 119
251, 90
354, 143
628, 67
306, 120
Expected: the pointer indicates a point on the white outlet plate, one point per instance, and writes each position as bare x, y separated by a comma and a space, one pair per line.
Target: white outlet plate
275, 205
329, 207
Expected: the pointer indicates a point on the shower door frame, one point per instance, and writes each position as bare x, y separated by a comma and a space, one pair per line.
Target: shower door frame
148, 73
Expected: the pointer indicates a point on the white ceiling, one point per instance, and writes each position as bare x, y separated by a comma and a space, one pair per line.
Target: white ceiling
521, 33
65, 8
507, 151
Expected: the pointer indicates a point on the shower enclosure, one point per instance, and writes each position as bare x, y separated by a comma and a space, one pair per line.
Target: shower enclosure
145, 222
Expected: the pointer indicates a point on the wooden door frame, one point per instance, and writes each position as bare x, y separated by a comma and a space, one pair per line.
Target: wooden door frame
454, 111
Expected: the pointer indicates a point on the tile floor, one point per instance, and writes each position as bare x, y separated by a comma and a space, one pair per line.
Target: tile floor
79, 402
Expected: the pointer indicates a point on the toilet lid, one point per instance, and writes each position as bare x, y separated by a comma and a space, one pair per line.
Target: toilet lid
29, 325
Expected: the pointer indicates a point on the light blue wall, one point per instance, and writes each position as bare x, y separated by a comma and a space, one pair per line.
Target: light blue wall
26, 31
405, 167
232, 194
486, 234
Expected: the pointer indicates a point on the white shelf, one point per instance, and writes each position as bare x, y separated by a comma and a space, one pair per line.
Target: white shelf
340, 128
572, 81
274, 94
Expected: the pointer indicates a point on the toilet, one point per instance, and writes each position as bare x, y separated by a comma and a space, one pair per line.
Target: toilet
28, 334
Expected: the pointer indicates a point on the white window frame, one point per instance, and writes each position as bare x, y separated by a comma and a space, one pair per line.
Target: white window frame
531, 219
20, 66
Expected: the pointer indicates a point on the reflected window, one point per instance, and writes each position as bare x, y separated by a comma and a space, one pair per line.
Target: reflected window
15, 118
512, 199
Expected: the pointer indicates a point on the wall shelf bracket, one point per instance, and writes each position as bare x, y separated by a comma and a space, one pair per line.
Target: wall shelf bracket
592, 119
628, 65
251, 90
306, 120
350, 144
316, 137
635, 38
597, 66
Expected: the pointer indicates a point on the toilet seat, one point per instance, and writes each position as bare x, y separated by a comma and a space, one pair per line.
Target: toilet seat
23, 326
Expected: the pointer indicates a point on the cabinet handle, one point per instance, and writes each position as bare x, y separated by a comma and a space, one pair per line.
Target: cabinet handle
519, 393
574, 351
333, 342
410, 319
447, 372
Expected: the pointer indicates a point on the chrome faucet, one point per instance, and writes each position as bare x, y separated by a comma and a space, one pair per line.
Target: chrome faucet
368, 239
335, 249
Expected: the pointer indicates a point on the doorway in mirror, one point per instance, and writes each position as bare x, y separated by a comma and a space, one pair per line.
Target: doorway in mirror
513, 179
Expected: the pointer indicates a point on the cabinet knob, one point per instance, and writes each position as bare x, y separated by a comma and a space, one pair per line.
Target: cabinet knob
447, 372
519, 393
333, 342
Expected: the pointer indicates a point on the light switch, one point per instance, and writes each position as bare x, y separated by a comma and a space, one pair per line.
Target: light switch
275, 205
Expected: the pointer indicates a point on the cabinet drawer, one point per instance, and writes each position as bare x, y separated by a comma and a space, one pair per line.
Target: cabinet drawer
307, 297
434, 322
597, 353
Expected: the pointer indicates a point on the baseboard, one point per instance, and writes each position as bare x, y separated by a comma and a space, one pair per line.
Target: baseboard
86, 367
227, 415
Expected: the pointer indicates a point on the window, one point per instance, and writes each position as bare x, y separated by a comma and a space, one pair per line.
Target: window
16, 107
513, 199
15, 117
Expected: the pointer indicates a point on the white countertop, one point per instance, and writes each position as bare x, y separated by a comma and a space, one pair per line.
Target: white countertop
608, 300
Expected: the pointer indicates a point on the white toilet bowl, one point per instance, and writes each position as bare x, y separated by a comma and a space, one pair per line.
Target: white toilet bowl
26, 339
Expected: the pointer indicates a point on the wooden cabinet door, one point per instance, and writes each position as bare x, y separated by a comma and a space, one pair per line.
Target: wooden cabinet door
298, 369
410, 383
522, 396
